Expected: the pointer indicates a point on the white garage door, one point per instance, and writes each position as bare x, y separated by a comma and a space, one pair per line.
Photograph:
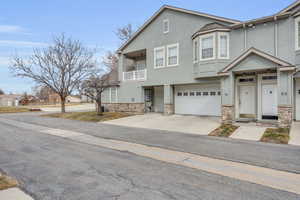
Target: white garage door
198, 100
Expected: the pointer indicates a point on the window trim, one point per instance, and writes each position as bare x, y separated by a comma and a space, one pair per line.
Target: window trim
214, 46
168, 22
297, 46
164, 57
219, 45
196, 59
168, 47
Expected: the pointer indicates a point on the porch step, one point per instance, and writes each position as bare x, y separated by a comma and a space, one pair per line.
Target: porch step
267, 123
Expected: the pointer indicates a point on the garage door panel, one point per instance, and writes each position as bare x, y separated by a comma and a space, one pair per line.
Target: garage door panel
209, 105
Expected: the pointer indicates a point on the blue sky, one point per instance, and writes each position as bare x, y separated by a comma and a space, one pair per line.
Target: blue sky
32, 23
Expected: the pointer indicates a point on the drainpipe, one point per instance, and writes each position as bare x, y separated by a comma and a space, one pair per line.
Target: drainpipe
276, 36
245, 37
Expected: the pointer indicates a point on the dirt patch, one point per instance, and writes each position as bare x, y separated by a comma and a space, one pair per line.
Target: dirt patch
276, 135
225, 130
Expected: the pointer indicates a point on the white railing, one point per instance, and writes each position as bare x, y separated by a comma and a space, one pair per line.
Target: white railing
138, 75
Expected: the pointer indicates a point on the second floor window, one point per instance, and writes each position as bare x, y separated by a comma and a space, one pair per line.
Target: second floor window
223, 45
196, 52
172, 55
159, 57
207, 47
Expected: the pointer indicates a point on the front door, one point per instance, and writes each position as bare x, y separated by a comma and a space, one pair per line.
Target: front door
247, 101
269, 101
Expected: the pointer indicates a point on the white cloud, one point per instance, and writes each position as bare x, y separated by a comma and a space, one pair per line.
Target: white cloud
16, 43
11, 29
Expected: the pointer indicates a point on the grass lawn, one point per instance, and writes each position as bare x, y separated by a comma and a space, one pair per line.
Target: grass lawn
6, 182
89, 116
276, 135
13, 109
225, 130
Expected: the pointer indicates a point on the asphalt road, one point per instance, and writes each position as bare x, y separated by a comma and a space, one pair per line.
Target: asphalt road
53, 168
281, 157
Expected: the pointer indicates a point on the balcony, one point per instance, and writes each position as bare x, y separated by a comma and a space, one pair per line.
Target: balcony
137, 75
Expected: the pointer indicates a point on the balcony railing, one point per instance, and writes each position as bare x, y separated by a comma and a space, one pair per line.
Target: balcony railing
138, 75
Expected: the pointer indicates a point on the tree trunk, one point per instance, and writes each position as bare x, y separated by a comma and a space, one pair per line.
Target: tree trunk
63, 104
99, 108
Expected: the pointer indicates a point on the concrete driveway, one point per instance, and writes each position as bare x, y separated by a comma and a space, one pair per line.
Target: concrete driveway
179, 123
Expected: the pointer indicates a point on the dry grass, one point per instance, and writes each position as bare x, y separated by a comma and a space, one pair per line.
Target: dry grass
13, 109
90, 116
276, 135
7, 182
225, 130
55, 105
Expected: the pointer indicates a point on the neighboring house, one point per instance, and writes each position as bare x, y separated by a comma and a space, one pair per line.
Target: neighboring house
187, 62
10, 99
73, 99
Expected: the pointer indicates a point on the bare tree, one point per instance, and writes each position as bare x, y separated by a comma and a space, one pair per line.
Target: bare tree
61, 66
110, 60
94, 86
125, 33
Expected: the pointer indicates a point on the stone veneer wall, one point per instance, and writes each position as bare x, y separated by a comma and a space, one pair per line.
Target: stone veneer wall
125, 107
227, 114
169, 109
285, 116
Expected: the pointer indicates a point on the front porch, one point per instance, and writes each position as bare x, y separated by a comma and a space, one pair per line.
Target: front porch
258, 87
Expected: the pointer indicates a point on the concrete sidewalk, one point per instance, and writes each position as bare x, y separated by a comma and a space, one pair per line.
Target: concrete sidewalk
295, 134
14, 194
276, 179
248, 132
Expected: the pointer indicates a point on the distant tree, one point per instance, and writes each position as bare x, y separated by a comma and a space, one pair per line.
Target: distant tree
94, 86
61, 66
125, 33
42, 92
1, 92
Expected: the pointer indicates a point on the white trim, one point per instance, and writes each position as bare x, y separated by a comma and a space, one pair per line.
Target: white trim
164, 57
110, 95
297, 20
167, 60
219, 45
168, 22
213, 35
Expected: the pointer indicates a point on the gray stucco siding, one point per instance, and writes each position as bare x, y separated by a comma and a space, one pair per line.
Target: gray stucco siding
254, 62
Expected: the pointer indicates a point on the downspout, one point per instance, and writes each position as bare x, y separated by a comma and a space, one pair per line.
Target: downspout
245, 37
276, 36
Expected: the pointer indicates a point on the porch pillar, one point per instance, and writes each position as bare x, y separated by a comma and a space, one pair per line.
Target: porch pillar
228, 108
285, 98
168, 100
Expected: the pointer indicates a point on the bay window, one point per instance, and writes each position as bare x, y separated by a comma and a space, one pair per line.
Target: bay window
207, 47
196, 50
223, 45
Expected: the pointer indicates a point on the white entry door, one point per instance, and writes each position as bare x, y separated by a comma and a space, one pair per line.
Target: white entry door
269, 100
247, 100
297, 99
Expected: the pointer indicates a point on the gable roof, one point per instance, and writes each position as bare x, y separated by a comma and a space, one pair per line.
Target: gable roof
257, 52
163, 8
290, 7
